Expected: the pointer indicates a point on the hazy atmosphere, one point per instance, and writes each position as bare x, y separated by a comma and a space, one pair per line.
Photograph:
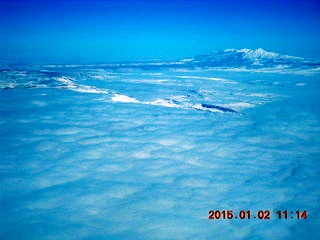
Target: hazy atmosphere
86, 31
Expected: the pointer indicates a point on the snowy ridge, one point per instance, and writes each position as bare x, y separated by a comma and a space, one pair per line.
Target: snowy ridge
101, 79
257, 54
171, 103
189, 99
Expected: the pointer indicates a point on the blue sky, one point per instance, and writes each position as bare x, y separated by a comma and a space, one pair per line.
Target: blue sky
111, 30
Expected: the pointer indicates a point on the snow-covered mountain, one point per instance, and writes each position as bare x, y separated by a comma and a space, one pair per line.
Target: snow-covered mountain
236, 59
248, 58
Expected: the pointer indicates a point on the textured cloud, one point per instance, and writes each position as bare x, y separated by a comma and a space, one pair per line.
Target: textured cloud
129, 156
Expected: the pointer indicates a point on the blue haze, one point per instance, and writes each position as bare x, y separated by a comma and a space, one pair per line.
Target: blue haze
101, 31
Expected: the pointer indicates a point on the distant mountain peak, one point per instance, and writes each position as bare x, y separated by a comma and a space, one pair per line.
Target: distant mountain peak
250, 58
252, 54
259, 53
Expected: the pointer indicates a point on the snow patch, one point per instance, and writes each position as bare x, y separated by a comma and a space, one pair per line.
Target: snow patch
123, 98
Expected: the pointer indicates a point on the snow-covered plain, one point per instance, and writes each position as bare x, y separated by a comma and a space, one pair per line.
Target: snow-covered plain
95, 152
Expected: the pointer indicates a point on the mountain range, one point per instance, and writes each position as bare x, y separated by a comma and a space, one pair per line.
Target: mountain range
248, 58
238, 59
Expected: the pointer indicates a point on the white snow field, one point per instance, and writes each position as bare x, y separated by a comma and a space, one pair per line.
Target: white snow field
100, 152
